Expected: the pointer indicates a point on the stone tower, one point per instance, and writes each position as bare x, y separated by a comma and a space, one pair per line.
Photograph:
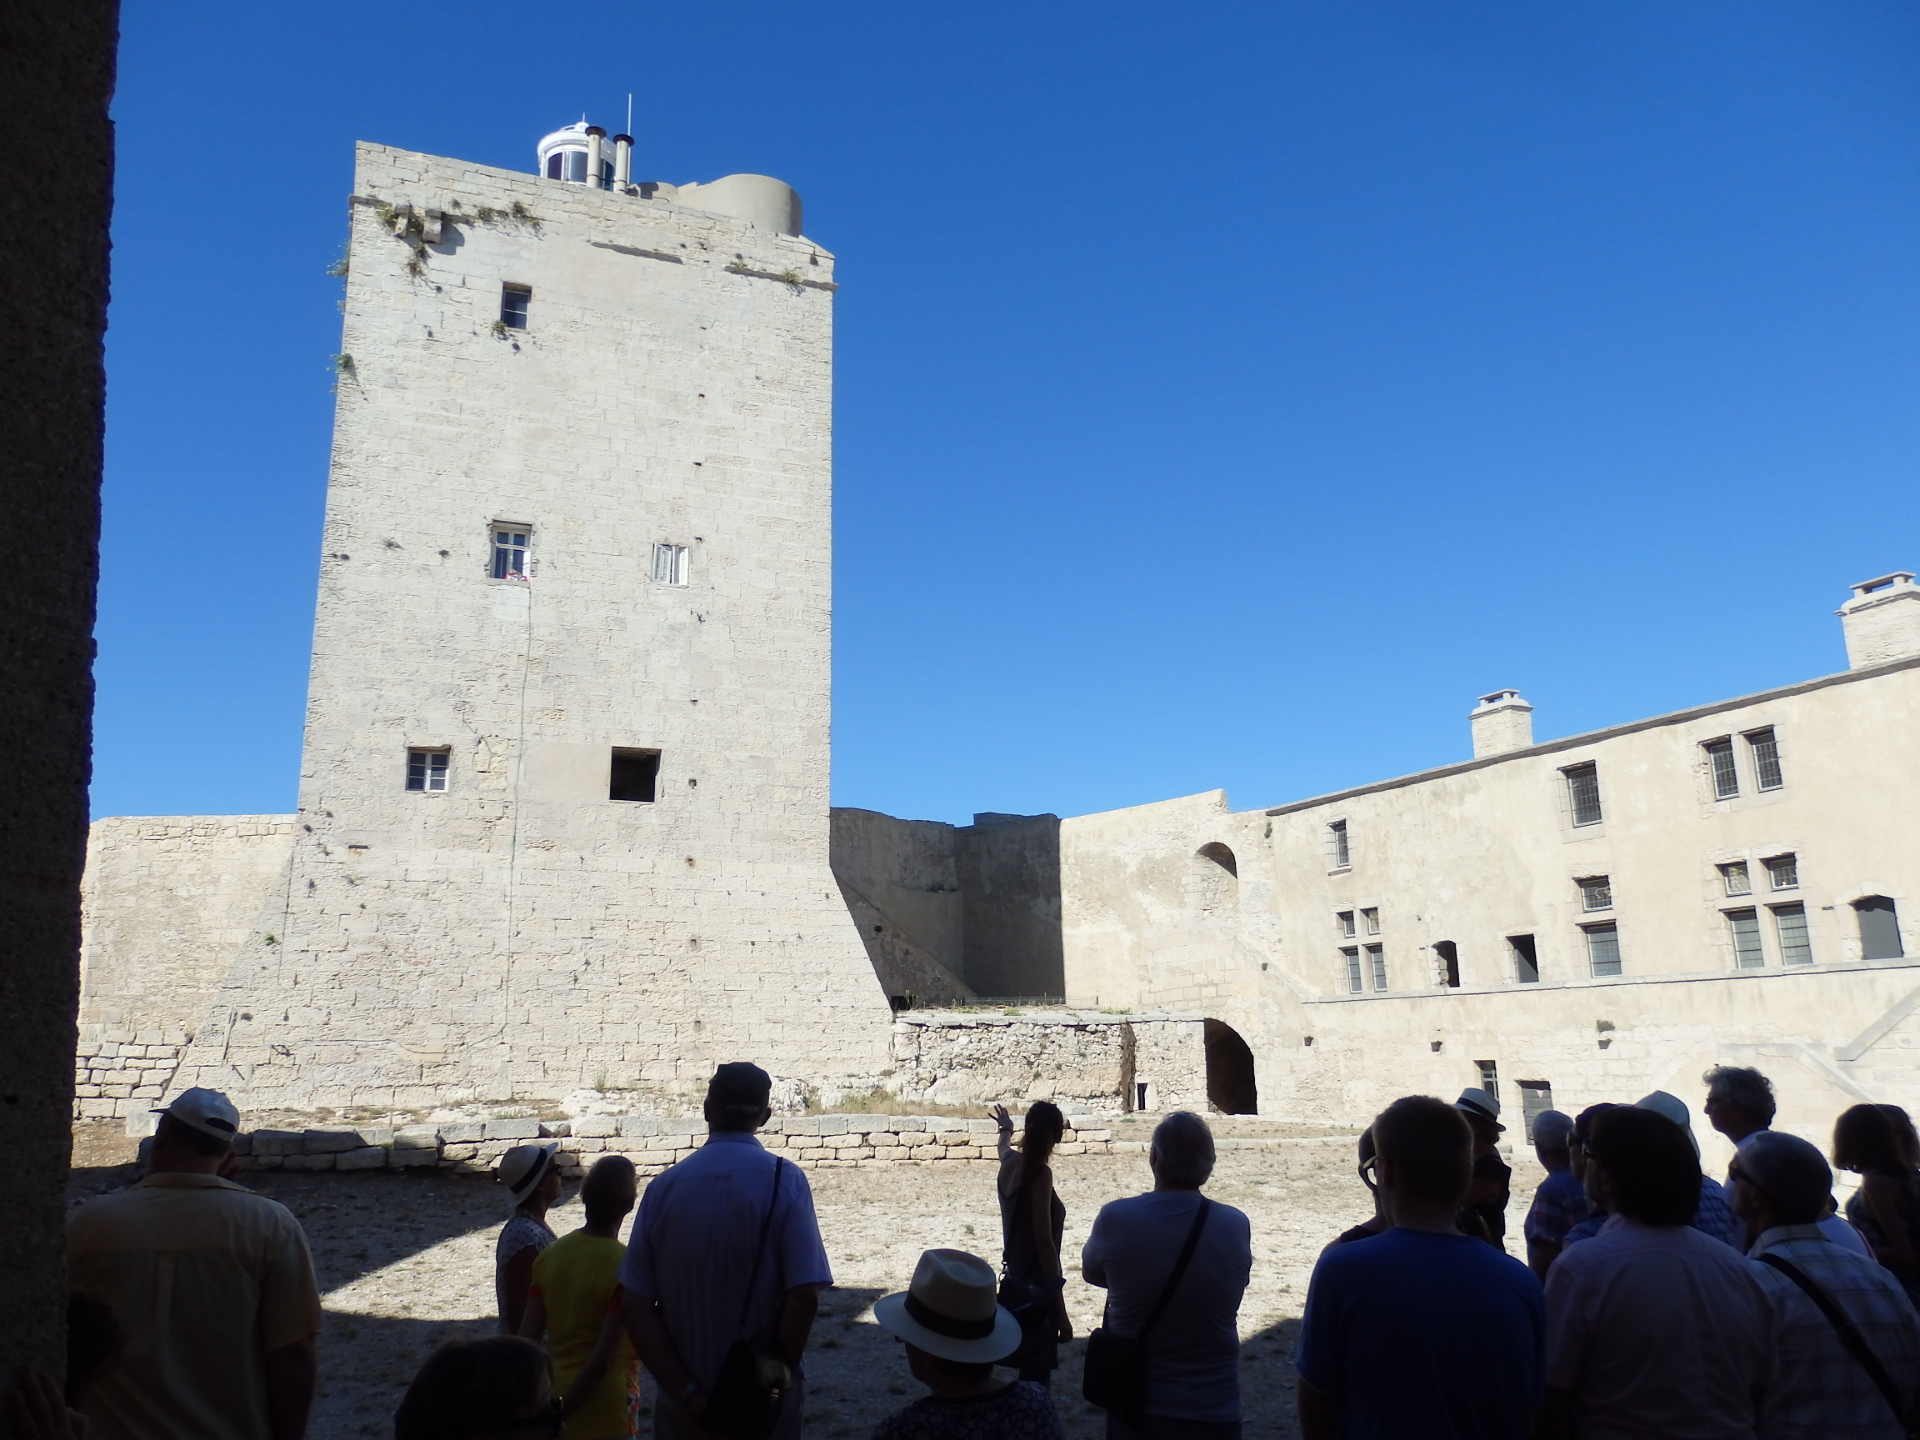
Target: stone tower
563, 805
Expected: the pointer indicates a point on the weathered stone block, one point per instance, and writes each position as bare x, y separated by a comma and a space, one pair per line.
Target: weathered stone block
371, 1157
459, 1152
596, 1126
403, 1157
330, 1142
518, 1130
417, 1137
278, 1142
463, 1132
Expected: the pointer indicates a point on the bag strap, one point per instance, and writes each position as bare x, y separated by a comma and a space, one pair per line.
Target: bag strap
1179, 1267
760, 1247
1842, 1323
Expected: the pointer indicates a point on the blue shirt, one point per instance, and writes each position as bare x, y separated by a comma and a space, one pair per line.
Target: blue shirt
1715, 1217
1420, 1334
692, 1248
1558, 1205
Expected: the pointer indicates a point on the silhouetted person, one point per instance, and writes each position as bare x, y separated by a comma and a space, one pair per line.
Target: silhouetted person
532, 1176
1712, 1213
1032, 1220
1819, 1390
211, 1288
954, 1330
1559, 1203
1740, 1105
1653, 1327
1597, 1214
1191, 1357
500, 1385
1421, 1331
1491, 1186
1886, 1208
1377, 1223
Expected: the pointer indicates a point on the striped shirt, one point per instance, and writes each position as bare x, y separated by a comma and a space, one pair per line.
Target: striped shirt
1818, 1390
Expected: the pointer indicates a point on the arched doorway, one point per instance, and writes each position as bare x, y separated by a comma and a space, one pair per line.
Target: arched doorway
1230, 1080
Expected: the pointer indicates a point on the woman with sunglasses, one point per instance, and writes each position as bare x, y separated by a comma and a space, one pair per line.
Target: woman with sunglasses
490, 1389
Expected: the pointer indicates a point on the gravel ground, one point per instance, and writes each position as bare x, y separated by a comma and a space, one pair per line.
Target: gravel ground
405, 1262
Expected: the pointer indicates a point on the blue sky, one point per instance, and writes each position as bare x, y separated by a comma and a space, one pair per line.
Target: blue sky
1226, 394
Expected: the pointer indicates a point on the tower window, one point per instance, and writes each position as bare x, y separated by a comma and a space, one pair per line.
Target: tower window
633, 775
1790, 928
1526, 959
1345, 917
1765, 752
1734, 878
1372, 917
1596, 892
1337, 850
1377, 963
669, 564
1783, 871
1726, 778
1603, 949
1351, 955
1745, 928
427, 770
514, 300
1583, 793
510, 551
1448, 954
1879, 928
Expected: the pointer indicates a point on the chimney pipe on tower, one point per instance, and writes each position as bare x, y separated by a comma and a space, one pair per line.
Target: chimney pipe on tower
1501, 722
1882, 620
622, 161
596, 137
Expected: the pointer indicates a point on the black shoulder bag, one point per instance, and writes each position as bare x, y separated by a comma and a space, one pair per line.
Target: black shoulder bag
754, 1378
1848, 1332
1115, 1378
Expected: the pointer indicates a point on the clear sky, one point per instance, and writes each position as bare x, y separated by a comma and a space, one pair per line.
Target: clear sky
1227, 394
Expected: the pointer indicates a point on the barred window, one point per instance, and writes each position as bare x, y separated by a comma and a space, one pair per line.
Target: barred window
1377, 962
427, 770
1790, 928
1583, 793
1351, 954
1734, 878
1783, 871
1726, 778
1603, 949
1764, 749
1372, 917
1745, 927
1345, 917
1337, 845
1596, 892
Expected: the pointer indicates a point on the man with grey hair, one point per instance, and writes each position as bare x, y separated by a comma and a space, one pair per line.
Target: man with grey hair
1191, 1353
1560, 1203
1825, 1384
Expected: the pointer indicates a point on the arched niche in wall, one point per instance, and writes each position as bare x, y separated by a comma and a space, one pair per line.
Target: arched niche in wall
1213, 878
1879, 928
1232, 1087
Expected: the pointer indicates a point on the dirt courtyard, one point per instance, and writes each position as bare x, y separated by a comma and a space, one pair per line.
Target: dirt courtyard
405, 1261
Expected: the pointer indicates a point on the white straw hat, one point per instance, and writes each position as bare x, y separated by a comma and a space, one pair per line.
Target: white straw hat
950, 1310
524, 1167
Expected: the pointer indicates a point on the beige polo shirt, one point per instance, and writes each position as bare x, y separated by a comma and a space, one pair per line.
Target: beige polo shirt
204, 1278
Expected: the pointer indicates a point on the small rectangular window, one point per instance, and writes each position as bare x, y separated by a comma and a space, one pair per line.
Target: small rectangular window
1603, 949
1377, 963
1448, 955
1735, 880
1351, 955
1765, 752
514, 300
1726, 778
1745, 927
1583, 793
1345, 917
1526, 959
1372, 917
1489, 1077
1536, 1098
1337, 845
1879, 928
1596, 892
669, 564
427, 770
1790, 929
633, 775
1783, 871
509, 551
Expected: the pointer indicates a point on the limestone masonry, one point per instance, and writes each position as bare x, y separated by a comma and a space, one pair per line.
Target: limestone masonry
563, 821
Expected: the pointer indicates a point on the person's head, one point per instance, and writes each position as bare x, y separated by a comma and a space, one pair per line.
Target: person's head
1643, 1166
953, 1325
737, 1098
531, 1174
1780, 1180
1181, 1155
1903, 1133
195, 1132
1739, 1100
1491, 1176
93, 1344
1482, 1111
1868, 1142
1040, 1132
608, 1192
1425, 1150
1551, 1131
469, 1389
1582, 1132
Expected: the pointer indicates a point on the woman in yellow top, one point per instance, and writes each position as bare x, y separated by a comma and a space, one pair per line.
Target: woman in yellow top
574, 1280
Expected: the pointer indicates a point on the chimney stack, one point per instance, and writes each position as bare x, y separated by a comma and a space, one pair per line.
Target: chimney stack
1501, 722
596, 140
1882, 620
622, 161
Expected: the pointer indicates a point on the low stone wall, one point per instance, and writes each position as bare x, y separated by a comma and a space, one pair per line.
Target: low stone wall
475, 1146
117, 1073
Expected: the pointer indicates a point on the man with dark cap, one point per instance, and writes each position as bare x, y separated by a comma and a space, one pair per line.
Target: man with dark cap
1821, 1388
725, 1248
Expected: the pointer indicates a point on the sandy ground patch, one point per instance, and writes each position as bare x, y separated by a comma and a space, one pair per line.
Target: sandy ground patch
406, 1262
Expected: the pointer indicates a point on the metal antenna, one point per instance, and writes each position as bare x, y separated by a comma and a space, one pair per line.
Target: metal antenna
629, 112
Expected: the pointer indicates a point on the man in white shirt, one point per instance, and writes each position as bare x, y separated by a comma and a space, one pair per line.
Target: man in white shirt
1820, 1389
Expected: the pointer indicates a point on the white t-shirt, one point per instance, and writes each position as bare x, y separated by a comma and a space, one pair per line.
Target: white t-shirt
1193, 1353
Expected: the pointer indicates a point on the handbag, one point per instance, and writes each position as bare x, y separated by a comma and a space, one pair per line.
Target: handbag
1849, 1334
1115, 1377
754, 1378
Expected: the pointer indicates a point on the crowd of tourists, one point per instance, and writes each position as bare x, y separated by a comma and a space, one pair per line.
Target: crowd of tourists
1655, 1301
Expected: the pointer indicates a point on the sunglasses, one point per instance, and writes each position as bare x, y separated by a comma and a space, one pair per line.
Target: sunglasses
1369, 1170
